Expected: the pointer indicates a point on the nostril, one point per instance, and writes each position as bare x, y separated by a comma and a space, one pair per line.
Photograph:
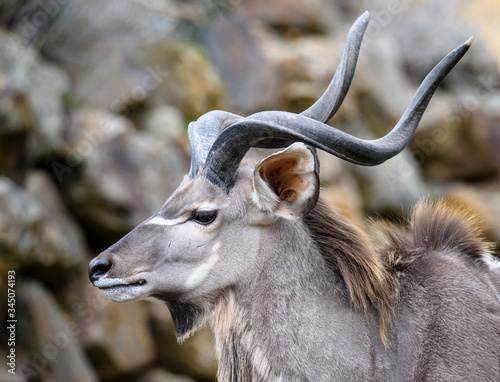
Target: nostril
98, 268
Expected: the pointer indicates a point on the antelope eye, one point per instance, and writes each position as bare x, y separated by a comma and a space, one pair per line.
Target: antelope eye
204, 217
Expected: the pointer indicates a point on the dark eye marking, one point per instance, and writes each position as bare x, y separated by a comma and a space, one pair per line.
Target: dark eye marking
204, 217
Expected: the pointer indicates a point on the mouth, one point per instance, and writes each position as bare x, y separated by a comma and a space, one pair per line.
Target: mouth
120, 285
120, 290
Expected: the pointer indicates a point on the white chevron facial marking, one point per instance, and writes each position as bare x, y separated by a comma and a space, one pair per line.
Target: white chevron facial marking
158, 220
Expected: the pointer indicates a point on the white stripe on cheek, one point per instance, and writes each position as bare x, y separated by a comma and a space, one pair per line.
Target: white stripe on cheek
158, 220
202, 271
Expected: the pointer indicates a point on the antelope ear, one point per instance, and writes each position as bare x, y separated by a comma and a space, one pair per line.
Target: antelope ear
286, 183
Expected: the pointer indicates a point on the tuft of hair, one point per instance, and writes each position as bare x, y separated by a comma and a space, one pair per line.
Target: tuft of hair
434, 227
348, 251
444, 225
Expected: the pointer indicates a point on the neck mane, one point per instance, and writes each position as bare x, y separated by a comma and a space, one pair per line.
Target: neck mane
347, 250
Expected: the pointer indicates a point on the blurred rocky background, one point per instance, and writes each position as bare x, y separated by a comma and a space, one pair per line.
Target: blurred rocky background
95, 97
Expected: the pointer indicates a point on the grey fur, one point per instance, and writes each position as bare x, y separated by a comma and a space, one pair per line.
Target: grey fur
281, 311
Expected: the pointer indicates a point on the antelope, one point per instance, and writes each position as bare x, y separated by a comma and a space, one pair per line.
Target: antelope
291, 289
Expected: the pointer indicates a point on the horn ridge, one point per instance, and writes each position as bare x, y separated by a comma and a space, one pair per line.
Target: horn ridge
232, 144
203, 133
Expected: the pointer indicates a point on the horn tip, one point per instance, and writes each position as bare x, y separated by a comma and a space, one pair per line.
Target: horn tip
468, 43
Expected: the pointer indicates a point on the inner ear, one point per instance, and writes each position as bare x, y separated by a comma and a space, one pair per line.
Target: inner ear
286, 182
281, 176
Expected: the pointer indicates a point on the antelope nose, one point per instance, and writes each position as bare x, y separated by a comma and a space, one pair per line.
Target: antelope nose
98, 268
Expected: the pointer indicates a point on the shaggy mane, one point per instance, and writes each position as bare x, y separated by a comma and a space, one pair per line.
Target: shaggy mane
371, 273
348, 251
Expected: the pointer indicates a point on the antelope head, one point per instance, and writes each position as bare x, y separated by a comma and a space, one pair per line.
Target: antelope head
210, 235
